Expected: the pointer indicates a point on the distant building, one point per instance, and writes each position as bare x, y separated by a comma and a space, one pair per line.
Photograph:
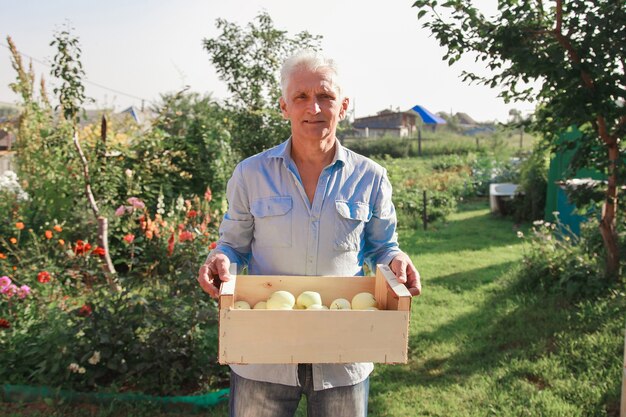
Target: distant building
8, 124
463, 119
471, 127
7, 143
387, 123
7, 140
143, 118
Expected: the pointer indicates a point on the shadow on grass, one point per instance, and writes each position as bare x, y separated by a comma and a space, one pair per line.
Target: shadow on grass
485, 339
484, 325
459, 234
470, 279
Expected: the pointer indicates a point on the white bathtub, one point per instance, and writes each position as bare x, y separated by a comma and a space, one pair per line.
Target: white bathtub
501, 190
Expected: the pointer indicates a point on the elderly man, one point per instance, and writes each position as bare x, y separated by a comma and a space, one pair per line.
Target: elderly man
307, 207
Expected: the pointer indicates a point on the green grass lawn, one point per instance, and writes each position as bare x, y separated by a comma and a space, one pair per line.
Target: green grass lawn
479, 345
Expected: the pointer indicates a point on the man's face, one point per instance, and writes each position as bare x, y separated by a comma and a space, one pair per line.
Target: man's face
312, 105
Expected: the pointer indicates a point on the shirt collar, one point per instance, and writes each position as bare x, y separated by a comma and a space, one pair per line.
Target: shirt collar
283, 151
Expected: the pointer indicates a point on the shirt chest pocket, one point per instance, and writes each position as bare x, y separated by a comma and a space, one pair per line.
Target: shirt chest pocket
350, 224
272, 221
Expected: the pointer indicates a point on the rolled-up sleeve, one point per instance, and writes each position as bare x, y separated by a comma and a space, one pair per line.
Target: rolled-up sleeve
381, 239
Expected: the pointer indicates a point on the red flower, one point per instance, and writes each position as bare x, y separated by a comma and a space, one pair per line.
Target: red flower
48, 234
4, 324
170, 244
129, 238
213, 245
185, 236
85, 310
98, 251
81, 247
43, 277
192, 214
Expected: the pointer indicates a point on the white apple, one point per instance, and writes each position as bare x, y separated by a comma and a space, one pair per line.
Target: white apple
340, 304
261, 305
281, 300
242, 305
308, 298
363, 301
317, 307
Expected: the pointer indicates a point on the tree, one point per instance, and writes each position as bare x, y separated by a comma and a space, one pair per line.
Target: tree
575, 50
248, 60
68, 68
517, 121
195, 141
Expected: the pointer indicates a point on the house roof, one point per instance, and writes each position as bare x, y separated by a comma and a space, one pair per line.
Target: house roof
428, 117
386, 119
465, 119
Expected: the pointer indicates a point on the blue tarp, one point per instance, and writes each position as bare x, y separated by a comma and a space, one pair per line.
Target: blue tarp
428, 117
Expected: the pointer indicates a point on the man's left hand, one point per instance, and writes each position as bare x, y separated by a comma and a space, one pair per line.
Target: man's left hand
406, 273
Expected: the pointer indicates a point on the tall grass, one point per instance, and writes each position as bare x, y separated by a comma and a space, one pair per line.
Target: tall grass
438, 143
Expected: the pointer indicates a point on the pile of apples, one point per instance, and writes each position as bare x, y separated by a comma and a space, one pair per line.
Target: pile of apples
310, 300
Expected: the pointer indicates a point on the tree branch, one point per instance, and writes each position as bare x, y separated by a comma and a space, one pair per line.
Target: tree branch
567, 45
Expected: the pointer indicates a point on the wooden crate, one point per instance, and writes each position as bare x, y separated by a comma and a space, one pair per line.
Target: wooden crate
314, 336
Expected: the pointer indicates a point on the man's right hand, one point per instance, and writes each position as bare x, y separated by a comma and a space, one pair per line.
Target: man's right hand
213, 273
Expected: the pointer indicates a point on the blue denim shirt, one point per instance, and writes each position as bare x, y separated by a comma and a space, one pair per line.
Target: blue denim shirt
273, 229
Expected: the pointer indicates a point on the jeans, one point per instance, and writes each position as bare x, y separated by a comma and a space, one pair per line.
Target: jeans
249, 398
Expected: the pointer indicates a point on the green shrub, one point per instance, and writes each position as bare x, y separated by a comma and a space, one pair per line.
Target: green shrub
191, 145
409, 204
256, 131
557, 261
530, 200
488, 169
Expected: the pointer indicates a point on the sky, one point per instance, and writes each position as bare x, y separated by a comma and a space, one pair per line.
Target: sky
135, 50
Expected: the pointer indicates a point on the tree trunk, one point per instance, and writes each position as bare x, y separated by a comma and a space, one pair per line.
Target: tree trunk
103, 230
608, 224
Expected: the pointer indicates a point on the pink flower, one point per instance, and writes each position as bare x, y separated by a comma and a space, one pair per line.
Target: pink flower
5, 282
120, 211
136, 203
23, 291
129, 238
10, 290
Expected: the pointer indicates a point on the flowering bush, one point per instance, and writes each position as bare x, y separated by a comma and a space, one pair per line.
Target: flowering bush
121, 310
60, 324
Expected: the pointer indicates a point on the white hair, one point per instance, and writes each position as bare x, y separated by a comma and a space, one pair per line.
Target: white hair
312, 61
